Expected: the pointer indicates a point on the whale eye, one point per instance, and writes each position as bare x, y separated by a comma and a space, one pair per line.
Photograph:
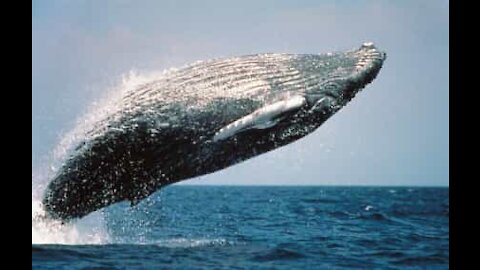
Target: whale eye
331, 89
332, 86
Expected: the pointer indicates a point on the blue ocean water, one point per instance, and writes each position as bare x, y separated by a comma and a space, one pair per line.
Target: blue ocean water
224, 227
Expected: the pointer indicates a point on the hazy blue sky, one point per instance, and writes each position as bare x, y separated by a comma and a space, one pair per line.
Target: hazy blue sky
395, 132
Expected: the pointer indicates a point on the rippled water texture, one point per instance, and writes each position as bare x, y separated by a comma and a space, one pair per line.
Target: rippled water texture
205, 227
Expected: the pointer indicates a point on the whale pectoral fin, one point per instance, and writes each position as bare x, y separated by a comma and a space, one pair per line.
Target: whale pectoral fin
263, 118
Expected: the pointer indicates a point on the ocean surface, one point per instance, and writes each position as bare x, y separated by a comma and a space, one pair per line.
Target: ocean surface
224, 227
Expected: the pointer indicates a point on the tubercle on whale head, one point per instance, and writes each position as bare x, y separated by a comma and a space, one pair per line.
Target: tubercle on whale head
370, 61
369, 57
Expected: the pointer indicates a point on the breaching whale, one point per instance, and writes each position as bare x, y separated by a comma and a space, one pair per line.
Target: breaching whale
203, 118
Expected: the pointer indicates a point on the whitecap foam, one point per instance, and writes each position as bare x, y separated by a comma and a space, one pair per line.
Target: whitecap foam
190, 243
48, 231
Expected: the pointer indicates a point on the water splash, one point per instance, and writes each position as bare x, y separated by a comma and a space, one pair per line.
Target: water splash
47, 231
91, 229
101, 108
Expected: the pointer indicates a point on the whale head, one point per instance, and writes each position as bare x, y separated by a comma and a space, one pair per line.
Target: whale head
342, 77
328, 82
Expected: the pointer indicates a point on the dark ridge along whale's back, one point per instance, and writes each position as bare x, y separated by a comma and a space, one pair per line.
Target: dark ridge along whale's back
203, 118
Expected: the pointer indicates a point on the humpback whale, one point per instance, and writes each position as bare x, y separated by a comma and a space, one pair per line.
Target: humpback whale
203, 118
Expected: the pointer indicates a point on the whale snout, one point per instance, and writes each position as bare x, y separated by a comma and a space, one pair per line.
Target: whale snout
369, 57
354, 71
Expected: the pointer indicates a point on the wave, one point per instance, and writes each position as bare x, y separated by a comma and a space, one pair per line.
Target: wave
192, 243
279, 254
